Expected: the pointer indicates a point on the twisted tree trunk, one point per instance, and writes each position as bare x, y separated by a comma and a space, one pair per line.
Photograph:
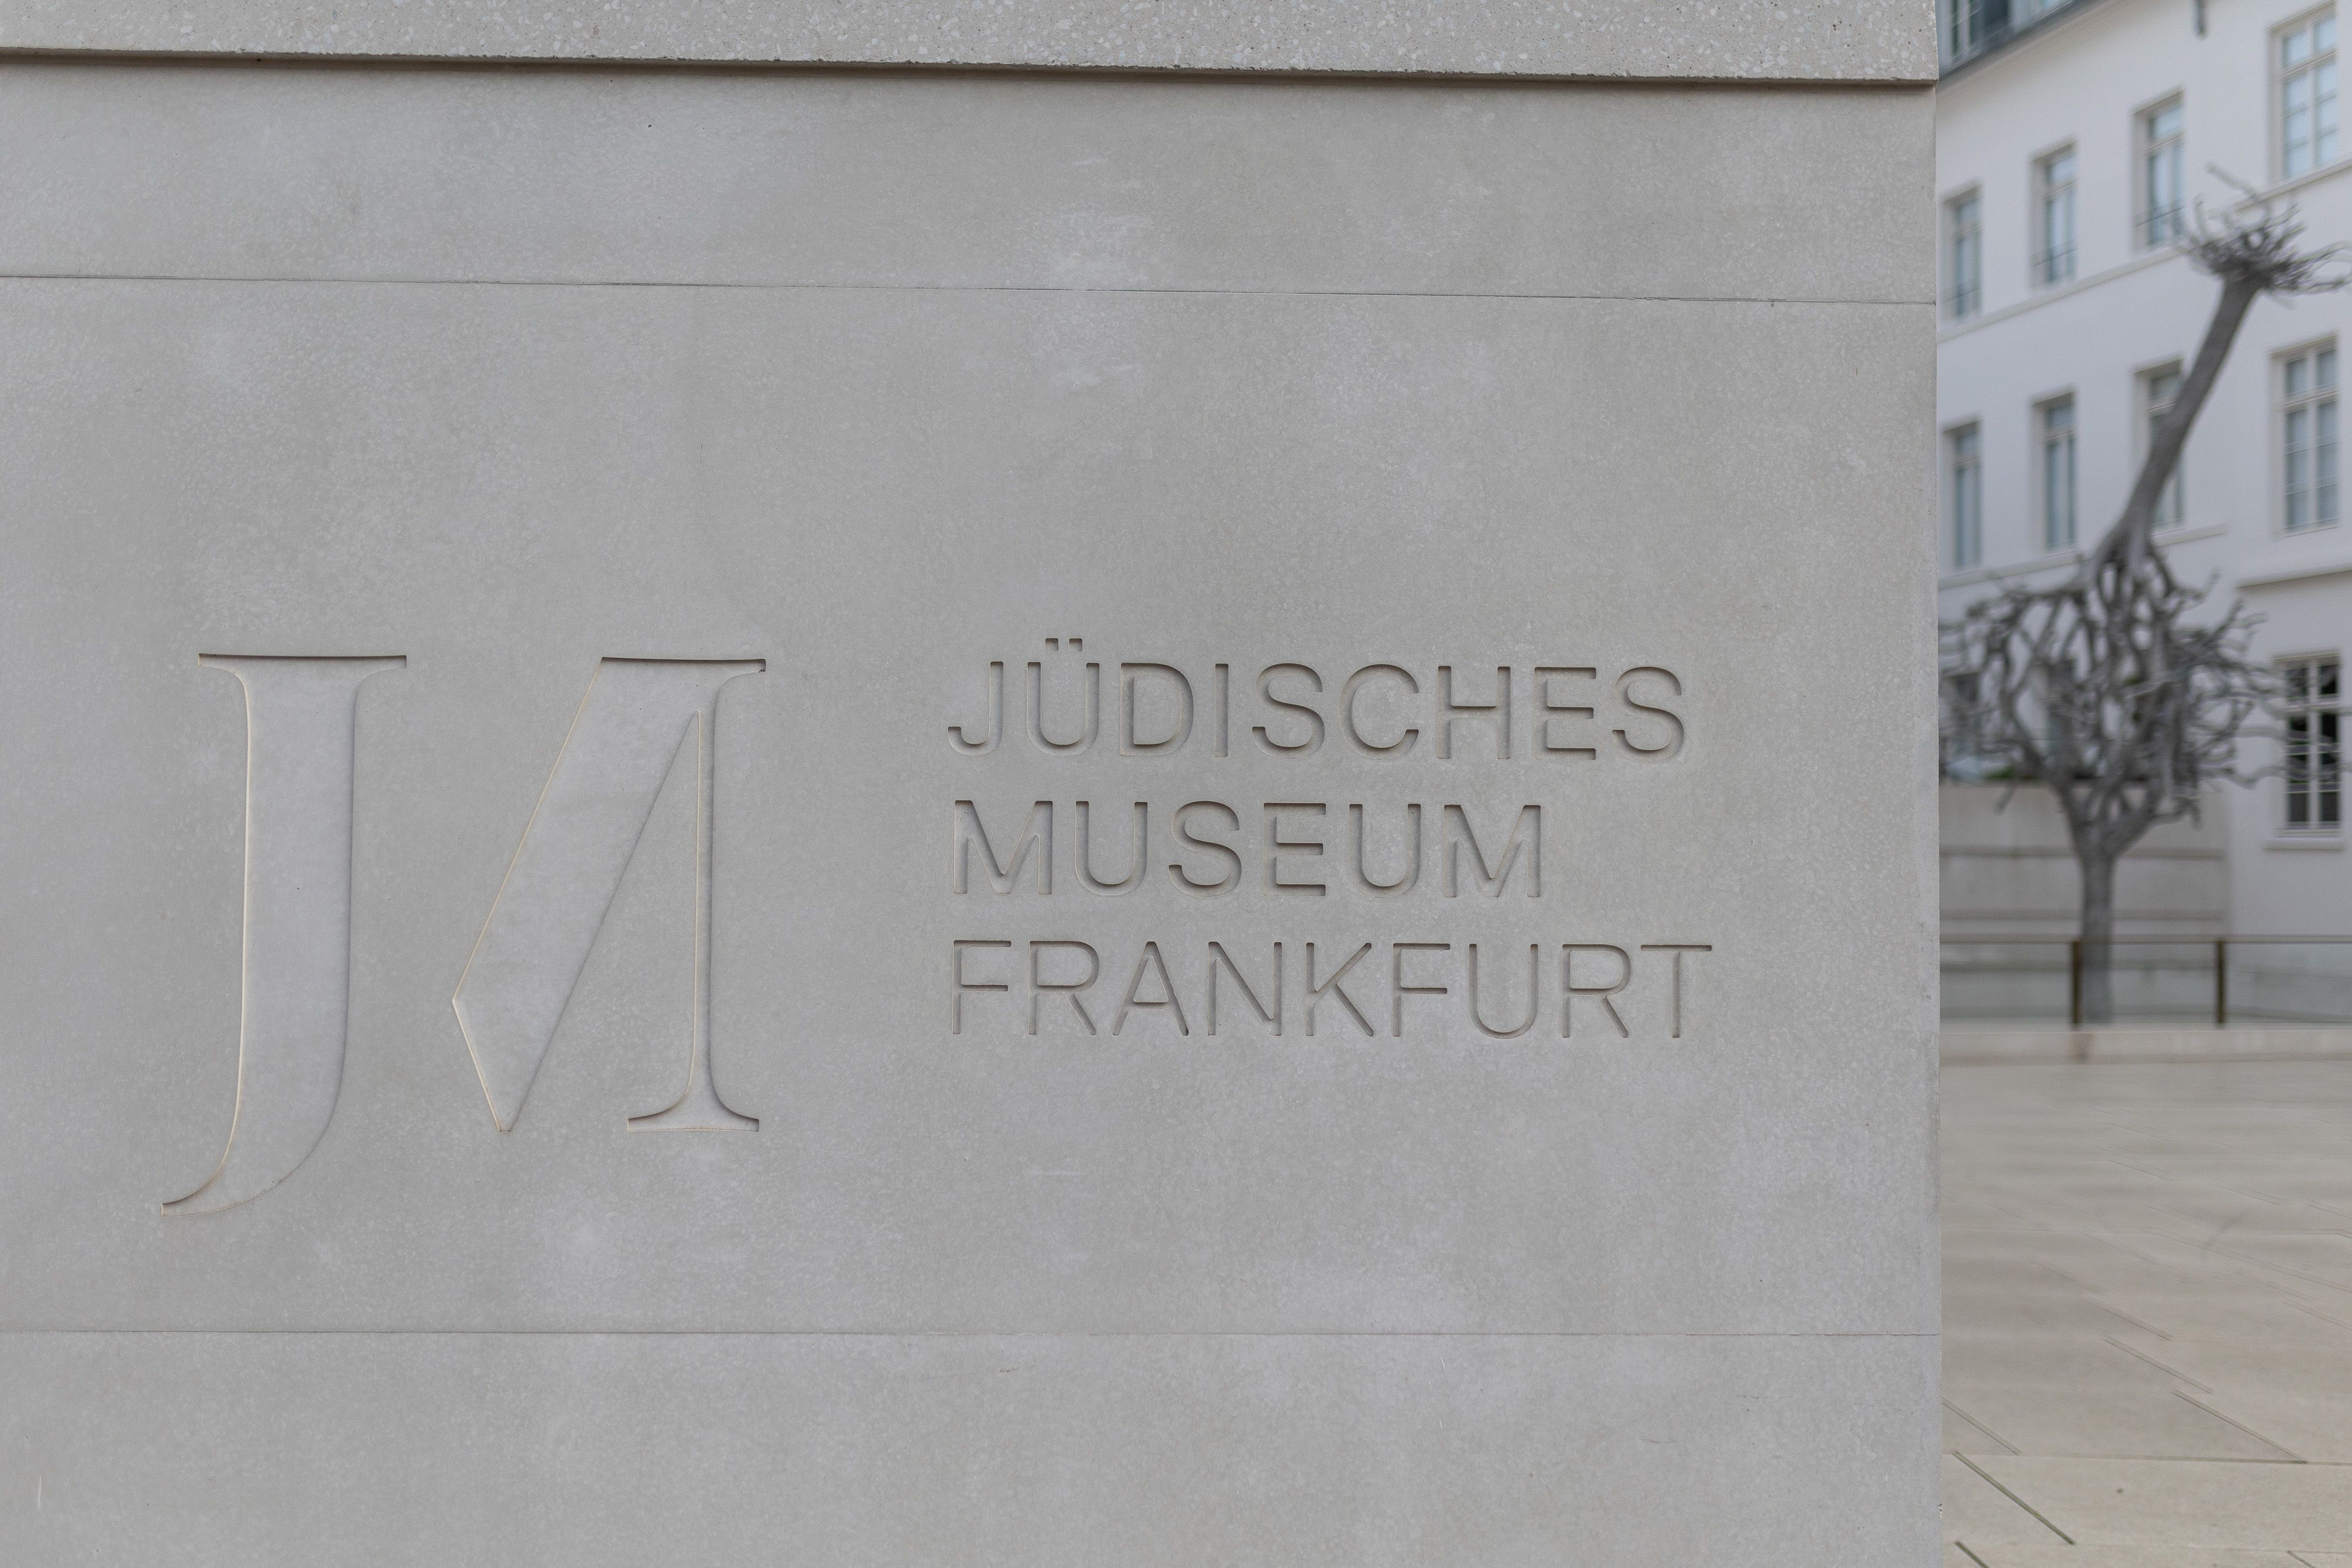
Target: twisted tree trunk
2098, 933
2100, 686
2128, 541
2125, 565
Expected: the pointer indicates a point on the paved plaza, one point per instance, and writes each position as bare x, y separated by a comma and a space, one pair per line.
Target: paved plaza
2148, 1315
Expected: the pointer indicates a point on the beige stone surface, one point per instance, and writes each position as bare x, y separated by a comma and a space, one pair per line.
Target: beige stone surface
1812, 40
2040, 1360
1976, 1510
2129, 1502
2005, 1555
2206, 1318
1992, 1306
2297, 1387
2193, 1203
1963, 1435
1973, 1044
2125, 1420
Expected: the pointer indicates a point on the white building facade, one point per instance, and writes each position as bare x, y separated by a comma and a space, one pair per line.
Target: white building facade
2073, 145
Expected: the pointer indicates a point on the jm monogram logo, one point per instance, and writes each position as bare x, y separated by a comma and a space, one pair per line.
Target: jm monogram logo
640, 720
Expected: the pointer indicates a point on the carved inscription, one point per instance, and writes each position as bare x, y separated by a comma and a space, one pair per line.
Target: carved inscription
1572, 713
1425, 854
640, 719
1195, 848
1576, 990
1216, 848
299, 739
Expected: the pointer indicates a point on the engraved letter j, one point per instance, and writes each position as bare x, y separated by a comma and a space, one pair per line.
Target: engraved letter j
299, 717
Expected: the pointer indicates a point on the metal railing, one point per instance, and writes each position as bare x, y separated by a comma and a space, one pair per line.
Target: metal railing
2254, 981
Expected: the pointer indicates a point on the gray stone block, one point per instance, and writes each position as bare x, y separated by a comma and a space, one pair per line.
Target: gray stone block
1449, 1080
1815, 40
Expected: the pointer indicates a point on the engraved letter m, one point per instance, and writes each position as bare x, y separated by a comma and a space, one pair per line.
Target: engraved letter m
641, 720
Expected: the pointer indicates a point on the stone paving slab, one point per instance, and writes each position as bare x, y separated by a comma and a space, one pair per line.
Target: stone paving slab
2147, 1279
2119, 1422
2127, 1557
1978, 1513
2194, 1504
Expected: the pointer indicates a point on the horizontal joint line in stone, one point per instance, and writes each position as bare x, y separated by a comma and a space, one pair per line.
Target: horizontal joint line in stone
947, 288
1009, 1333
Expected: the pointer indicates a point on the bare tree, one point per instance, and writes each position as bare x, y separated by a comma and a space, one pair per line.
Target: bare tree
2103, 686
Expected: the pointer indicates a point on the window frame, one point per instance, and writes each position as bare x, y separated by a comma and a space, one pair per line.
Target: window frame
1959, 30
2046, 253
2040, 429
2282, 78
1963, 513
2144, 212
1956, 306
2283, 405
2325, 715
2149, 411
1967, 30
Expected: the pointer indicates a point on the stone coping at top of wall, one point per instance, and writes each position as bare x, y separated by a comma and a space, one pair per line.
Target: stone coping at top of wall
1726, 40
1979, 1047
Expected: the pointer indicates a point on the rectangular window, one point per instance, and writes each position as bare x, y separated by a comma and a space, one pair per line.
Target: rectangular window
2306, 95
2307, 438
1964, 465
2315, 753
1977, 25
2053, 187
1963, 255
2162, 214
2158, 391
2056, 420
